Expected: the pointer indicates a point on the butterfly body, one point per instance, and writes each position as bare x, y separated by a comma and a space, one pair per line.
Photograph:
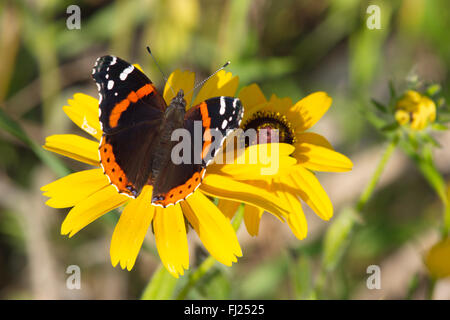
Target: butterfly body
136, 147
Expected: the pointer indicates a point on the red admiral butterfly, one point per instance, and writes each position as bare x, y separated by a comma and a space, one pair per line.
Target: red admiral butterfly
137, 125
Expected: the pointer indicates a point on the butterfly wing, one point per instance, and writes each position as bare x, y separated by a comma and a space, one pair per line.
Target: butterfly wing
176, 182
130, 111
126, 96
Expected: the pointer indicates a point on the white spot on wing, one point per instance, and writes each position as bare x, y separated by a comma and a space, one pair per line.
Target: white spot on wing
110, 84
224, 124
222, 105
126, 72
235, 102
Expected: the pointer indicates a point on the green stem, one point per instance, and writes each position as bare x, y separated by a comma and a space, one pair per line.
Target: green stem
209, 262
368, 191
359, 207
427, 167
430, 289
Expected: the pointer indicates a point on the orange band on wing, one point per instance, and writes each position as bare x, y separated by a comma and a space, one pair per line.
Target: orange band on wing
112, 169
182, 192
206, 124
123, 105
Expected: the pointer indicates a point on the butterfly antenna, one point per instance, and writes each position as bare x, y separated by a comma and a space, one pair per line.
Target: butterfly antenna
160, 70
212, 75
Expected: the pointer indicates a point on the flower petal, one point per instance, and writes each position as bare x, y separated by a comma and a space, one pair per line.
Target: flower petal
296, 218
281, 105
252, 217
221, 84
171, 240
318, 158
310, 190
91, 209
437, 259
257, 161
73, 188
213, 228
131, 229
251, 96
179, 80
227, 188
313, 138
228, 207
306, 112
75, 147
83, 111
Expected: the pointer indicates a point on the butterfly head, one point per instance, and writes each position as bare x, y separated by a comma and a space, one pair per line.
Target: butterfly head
178, 101
177, 109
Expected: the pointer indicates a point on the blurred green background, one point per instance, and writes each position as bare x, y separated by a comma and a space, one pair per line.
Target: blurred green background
290, 48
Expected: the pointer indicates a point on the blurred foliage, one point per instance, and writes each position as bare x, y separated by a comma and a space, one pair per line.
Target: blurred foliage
290, 48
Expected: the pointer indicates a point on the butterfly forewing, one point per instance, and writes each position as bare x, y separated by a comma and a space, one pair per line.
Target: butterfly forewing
130, 111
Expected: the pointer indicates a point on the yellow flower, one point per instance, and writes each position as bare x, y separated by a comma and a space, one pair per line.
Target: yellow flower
91, 195
437, 259
415, 109
311, 152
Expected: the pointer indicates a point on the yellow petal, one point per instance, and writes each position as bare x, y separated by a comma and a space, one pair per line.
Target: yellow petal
296, 218
257, 161
318, 158
310, 190
281, 105
306, 112
91, 209
171, 240
252, 217
131, 229
221, 84
437, 259
68, 191
75, 147
179, 80
213, 228
83, 111
251, 96
313, 138
228, 208
227, 188
138, 66
402, 116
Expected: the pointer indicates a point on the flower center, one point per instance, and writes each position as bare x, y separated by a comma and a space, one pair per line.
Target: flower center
270, 121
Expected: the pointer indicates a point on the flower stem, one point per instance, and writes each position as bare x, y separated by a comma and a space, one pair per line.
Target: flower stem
427, 167
209, 262
368, 191
359, 207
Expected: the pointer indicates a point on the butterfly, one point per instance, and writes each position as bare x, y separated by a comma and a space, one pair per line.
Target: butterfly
136, 145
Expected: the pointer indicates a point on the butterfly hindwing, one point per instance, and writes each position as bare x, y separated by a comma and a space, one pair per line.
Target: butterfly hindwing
177, 181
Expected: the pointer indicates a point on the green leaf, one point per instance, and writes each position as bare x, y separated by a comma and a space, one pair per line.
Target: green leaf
392, 91
390, 127
337, 238
379, 106
217, 286
433, 89
263, 282
13, 127
439, 126
429, 139
302, 275
161, 286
